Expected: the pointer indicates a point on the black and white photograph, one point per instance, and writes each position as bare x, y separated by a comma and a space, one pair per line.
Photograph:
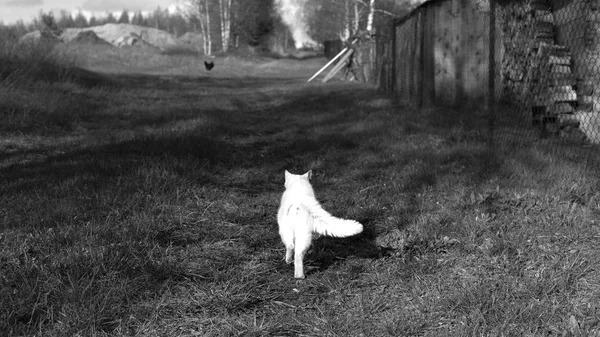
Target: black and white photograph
315, 168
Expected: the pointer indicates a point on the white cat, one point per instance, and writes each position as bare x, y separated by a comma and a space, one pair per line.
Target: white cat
300, 214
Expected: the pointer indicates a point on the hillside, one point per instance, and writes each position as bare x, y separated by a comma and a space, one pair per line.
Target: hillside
116, 33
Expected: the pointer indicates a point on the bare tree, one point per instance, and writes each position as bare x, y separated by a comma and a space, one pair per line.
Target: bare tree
338, 18
225, 16
357, 14
208, 39
200, 11
371, 15
347, 17
345, 33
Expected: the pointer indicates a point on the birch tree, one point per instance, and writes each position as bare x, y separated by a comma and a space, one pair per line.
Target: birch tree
352, 21
350, 18
356, 21
343, 19
206, 30
200, 10
345, 33
371, 15
225, 16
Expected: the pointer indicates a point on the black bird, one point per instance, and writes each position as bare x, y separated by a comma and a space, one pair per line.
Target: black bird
209, 65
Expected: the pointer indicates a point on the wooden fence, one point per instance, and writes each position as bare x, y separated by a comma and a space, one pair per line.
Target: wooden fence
444, 54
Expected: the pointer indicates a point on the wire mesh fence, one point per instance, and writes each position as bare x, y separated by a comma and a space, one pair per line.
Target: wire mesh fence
521, 70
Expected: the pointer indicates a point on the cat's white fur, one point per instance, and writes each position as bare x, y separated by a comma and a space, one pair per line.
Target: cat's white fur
300, 214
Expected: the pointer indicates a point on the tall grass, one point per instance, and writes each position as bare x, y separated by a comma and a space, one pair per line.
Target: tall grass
39, 84
32, 60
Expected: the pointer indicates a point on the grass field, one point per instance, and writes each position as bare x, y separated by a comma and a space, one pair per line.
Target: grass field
145, 205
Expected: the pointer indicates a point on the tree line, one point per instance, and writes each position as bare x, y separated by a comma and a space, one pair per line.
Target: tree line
175, 23
257, 23
225, 24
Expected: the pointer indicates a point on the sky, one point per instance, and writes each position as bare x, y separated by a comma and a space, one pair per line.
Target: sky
14, 10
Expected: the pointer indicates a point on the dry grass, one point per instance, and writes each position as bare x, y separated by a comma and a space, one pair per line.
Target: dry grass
41, 86
31, 61
153, 213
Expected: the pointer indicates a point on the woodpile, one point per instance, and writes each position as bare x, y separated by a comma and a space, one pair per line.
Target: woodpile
516, 25
541, 73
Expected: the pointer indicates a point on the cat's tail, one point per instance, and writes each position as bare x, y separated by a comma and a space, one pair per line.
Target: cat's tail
326, 224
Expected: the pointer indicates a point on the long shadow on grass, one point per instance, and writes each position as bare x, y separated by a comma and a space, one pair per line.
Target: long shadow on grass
242, 153
264, 139
97, 183
296, 113
383, 237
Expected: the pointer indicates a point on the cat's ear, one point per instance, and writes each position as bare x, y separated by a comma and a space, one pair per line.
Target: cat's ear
308, 174
287, 175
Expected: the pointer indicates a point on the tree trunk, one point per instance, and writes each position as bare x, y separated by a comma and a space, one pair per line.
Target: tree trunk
203, 33
346, 22
371, 15
197, 11
225, 13
208, 50
356, 18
